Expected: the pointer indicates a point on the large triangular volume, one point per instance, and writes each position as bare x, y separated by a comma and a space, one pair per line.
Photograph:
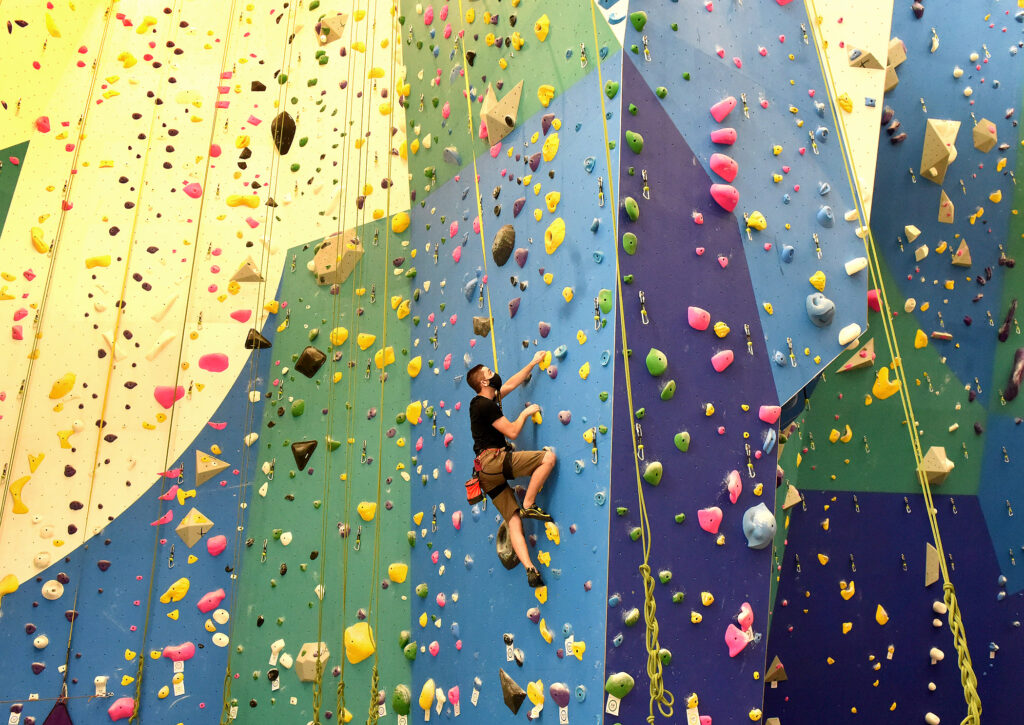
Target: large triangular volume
255, 341
207, 467
248, 272
863, 358
499, 117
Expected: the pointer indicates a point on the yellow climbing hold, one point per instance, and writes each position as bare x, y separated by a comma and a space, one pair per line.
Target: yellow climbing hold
427, 695
585, 371
101, 260
417, 518
846, 591
883, 387
847, 435
756, 220
545, 632
554, 235
16, 487
250, 200
881, 616
817, 281
551, 200
339, 335
833, 436
567, 293
707, 598
414, 366
384, 357
920, 339
397, 572
365, 339
551, 531
38, 242
366, 510
696, 617
768, 308
541, 27
996, 196
721, 329
845, 102
550, 147
823, 559
542, 594
359, 642
400, 222
34, 460
709, 410
176, 592
62, 386
51, 26
847, 626
535, 691
404, 309
8, 585
578, 648
414, 412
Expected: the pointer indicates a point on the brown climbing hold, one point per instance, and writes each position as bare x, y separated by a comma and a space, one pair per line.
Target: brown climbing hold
985, 135
511, 692
482, 326
255, 341
776, 672
310, 361
337, 257
935, 466
962, 257
939, 148
282, 130
302, 451
248, 272
863, 358
503, 244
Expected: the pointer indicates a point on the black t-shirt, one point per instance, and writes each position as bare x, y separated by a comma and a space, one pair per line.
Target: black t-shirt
482, 414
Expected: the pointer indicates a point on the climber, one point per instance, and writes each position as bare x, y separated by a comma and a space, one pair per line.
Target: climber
497, 462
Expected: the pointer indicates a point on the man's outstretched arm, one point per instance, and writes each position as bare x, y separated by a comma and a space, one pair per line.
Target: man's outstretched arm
516, 380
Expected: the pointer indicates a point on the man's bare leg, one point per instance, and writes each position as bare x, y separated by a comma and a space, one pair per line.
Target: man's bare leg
537, 479
518, 541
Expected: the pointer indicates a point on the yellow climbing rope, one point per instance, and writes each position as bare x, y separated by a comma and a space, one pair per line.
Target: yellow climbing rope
968, 679
476, 185
658, 694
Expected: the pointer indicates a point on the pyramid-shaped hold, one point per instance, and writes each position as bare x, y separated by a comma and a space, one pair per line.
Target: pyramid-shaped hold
309, 655
207, 467
962, 256
935, 466
862, 59
939, 149
329, 29
511, 692
946, 211
776, 671
192, 527
863, 358
337, 257
499, 117
248, 272
985, 135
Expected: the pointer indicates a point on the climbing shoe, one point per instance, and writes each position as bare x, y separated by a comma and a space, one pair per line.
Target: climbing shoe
535, 512
533, 576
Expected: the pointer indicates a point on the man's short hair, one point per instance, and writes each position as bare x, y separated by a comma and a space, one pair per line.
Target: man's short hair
475, 377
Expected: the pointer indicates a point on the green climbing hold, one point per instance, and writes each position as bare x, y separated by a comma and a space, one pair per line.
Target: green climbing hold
422, 590
682, 441
639, 413
635, 49
678, 597
401, 700
619, 684
665, 656
604, 300
675, 26
629, 242
633, 110
399, 419
410, 536
661, 91
634, 533
603, 395
630, 617
669, 390
333, 445
298, 408
611, 89
680, 518
653, 472
632, 210
627, 279
404, 637
664, 576
657, 363
602, 429
639, 20
621, 510
409, 651
635, 141
686, 76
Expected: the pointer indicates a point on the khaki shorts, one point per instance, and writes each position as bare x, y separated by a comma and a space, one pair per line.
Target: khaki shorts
524, 463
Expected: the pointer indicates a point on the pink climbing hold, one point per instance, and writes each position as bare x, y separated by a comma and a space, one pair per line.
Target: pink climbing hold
476, 225
446, 110
17, 332
211, 600
449, 466
43, 124
216, 545
457, 254
194, 190
746, 616
724, 166
428, 15
698, 318
457, 520
723, 261
724, 136
434, 648
419, 444
710, 519
241, 315
769, 413
723, 108
453, 695
734, 484
783, 2
122, 708
735, 639
171, 493
214, 362
214, 151
727, 196
873, 301
179, 653
447, 361
165, 519
167, 395
721, 360
453, 229
495, 150
448, 438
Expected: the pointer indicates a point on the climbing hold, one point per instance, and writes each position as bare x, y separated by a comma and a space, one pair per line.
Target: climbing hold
849, 333
935, 466
554, 235
736, 640
503, 244
698, 318
619, 684
721, 360
122, 708
359, 643
724, 136
710, 519
541, 28
656, 362
724, 166
825, 217
682, 441
629, 243
723, 108
302, 451
759, 526
884, 388
631, 208
727, 196
481, 326
511, 692
545, 93
653, 472
757, 221
310, 361
820, 309
635, 141
817, 281
668, 390
734, 485
282, 130
639, 20
611, 89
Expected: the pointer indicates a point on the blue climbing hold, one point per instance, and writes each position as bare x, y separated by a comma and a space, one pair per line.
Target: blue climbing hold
589, 163
825, 217
786, 253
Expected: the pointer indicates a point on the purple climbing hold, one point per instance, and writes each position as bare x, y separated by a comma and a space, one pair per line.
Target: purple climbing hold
513, 306
1016, 374
520, 256
535, 162
545, 122
517, 206
544, 328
